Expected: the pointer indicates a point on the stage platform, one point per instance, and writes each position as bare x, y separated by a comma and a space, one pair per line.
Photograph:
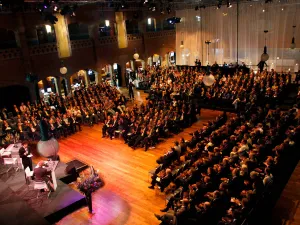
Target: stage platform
19, 203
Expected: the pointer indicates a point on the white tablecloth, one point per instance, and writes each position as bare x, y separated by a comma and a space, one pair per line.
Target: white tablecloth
13, 150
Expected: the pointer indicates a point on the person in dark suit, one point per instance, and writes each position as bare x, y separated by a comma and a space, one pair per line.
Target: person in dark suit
24, 151
41, 174
130, 90
107, 124
164, 181
180, 214
123, 127
113, 127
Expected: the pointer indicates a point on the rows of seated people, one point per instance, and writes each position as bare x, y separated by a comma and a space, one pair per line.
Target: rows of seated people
64, 115
226, 91
218, 176
144, 125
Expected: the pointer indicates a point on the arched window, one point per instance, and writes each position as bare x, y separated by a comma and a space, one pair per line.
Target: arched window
78, 31
7, 39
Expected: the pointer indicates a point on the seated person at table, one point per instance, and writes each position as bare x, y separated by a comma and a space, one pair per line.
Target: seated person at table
41, 174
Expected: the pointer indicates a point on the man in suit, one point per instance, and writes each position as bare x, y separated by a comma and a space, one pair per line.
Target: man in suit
130, 89
24, 151
123, 127
107, 124
113, 126
178, 216
164, 181
41, 174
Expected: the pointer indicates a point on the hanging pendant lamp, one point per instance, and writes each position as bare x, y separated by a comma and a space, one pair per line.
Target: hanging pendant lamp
265, 56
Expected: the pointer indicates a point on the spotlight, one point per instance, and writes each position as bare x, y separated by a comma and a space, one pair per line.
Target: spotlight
40, 8
152, 7
46, 4
229, 4
123, 4
55, 8
174, 20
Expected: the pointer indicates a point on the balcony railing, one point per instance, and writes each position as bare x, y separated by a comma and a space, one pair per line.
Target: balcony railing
107, 40
11, 53
43, 49
81, 44
160, 34
52, 47
134, 37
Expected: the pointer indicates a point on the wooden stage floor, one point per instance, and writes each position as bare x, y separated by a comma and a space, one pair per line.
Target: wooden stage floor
125, 198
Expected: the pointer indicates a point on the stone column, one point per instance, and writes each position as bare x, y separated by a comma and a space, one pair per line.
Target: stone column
62, 37
121, 28
58, 85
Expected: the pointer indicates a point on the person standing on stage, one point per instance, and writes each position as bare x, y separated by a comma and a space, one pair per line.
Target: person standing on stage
24, 152
130, 89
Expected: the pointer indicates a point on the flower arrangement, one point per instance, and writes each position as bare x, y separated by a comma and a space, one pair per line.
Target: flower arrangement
90, 184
